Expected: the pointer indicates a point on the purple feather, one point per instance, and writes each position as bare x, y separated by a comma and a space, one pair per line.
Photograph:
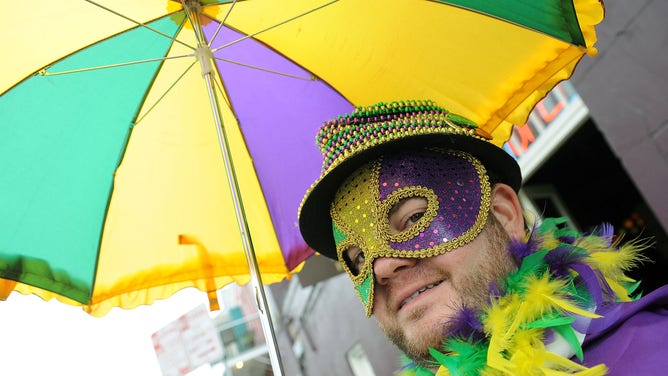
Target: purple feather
568, 239
465, 324
562, 259
519, 249
591, 282
548, 336
607, 290
607, 232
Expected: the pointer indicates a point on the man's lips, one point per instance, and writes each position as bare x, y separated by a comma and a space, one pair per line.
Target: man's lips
418, 292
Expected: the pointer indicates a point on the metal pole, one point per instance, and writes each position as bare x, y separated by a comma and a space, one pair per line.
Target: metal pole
205, 56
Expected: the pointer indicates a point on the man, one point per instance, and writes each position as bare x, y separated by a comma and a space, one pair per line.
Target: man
422, 212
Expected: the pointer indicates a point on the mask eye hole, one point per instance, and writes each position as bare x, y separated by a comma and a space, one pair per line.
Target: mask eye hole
354, 259
406, 213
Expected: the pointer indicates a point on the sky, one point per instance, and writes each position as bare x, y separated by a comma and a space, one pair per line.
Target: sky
51, 338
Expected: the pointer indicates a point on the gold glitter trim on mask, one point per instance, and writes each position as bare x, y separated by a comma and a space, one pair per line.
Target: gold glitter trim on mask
406, 193
463, 239
344, 246
348, 201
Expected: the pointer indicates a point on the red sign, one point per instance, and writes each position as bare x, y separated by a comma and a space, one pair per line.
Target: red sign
545, 112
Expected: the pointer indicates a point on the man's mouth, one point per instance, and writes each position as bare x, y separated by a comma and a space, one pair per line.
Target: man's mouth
418, 292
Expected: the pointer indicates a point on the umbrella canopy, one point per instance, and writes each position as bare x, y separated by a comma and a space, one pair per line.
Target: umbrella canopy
113, 187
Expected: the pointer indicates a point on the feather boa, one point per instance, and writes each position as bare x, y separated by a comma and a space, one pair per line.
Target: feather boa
562, 278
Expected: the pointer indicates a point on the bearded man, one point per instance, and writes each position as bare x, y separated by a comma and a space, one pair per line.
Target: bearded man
421, 210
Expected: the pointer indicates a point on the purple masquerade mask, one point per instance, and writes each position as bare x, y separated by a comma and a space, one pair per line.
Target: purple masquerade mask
455, 198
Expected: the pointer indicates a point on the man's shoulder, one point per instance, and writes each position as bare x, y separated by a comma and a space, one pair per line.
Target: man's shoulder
631, 338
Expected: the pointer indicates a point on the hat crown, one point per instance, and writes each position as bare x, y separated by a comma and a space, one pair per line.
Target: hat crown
371, 125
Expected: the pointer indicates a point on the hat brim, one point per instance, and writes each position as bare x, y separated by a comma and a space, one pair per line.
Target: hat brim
314, 219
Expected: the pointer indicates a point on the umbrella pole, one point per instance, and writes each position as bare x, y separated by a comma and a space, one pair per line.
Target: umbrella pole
256, 277
205, 56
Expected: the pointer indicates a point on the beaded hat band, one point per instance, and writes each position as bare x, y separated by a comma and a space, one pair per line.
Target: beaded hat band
353, 139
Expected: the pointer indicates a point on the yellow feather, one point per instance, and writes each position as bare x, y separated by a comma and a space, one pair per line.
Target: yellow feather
544, 294
562, 366
499, 315
613, 262
500, 364
442, 371
594, 243
549, 242
537, 291
599, 370
565, 305
528, 352
530, 337
619, 290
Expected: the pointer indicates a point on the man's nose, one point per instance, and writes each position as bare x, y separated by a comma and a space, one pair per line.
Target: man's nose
387, 268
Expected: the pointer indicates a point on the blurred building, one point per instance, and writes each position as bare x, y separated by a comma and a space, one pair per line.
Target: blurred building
325, 330
595, 149
245, 351
229, 342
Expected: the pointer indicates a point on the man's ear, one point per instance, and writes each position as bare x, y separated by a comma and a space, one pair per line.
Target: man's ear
505, 205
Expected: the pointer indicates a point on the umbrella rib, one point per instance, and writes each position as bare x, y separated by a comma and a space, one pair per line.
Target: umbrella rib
273, 26
311, 78
226, 98
222, 23
44, 72
140, 24
165, 93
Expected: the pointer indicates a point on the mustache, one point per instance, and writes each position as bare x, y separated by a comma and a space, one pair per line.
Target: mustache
418, 272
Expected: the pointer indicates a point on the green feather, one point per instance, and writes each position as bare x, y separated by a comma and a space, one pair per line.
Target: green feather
568, 333
631, 288
409, 368
549, 322
531, 265
467, 358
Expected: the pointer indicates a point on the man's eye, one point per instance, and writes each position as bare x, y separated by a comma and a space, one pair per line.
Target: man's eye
359, 260
412, 219
355, 260
405, 213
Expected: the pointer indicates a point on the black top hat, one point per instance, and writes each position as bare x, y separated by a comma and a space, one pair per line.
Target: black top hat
351, 140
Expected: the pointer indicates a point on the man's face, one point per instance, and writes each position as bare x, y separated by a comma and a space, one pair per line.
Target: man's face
415, 299
413, 204
416, 234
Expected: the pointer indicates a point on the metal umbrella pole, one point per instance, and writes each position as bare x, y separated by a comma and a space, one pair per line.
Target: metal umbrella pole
205, 57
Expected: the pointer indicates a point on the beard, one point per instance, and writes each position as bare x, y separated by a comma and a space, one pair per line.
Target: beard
472, 291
